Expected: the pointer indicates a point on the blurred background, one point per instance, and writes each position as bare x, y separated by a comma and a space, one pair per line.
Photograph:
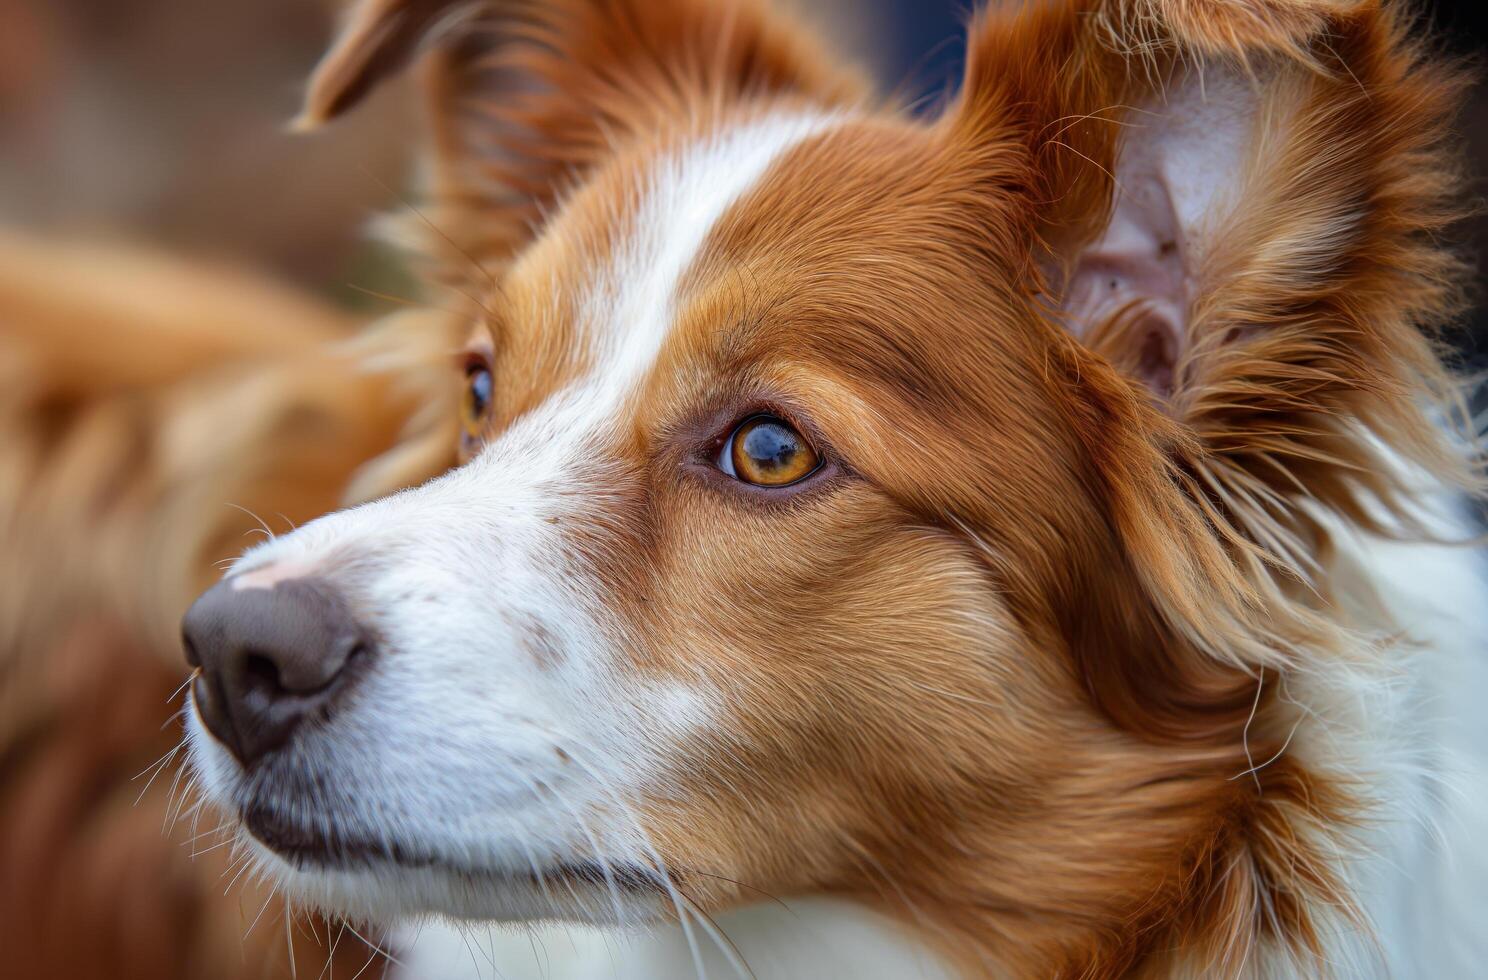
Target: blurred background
163, 120
154, 130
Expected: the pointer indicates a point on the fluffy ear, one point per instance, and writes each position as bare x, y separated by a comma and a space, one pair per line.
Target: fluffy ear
524, 95
1236, 208
1240, 203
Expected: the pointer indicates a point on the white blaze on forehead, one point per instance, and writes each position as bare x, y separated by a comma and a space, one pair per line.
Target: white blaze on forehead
630, 307
630, 303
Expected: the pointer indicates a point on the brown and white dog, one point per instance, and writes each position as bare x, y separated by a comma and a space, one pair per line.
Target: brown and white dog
976, 528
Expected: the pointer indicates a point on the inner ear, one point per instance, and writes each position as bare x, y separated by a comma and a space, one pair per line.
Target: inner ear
1128, 290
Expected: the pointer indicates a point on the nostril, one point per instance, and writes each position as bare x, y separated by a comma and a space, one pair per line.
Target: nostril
294, 672
260, 671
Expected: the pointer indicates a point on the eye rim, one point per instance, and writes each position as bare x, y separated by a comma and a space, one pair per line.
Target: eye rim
723, 459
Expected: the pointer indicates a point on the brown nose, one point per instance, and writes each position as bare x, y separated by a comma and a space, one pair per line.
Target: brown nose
270, 659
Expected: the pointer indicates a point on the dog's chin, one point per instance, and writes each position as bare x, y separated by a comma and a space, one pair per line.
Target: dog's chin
386, 882
371, 874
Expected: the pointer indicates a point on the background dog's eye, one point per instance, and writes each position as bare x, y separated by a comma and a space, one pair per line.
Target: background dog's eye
768, 452
475, 402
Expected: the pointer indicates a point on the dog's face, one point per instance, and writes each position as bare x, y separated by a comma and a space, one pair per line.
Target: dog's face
696, 599
797, 545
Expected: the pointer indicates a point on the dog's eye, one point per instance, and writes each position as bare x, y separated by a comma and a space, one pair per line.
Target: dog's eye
768, 452
475, 402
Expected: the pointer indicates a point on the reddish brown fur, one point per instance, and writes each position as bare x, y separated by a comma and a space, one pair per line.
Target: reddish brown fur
1062, 802
1037, 617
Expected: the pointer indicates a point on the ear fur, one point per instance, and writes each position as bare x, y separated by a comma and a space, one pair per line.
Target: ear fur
524, 96
1314, 280
1306, 379
1312, 285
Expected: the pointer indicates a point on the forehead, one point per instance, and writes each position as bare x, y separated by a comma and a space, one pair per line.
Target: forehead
777, 241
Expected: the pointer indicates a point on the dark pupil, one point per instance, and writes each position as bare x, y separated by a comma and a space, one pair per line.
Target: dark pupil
480, 392
771, 446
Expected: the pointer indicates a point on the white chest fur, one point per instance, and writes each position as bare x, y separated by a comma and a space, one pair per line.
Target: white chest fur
796, 939
1425, 883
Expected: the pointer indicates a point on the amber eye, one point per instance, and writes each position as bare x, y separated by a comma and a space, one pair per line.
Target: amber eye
768, 452
475, 401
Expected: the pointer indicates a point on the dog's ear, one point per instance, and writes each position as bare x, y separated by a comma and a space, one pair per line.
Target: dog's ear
1234, 211
523, 96
1234, 208
1240, 205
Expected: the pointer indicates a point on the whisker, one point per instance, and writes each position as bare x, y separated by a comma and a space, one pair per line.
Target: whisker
331, 956
208, 850
206, 833
659, 866
404, 302
232, 863
194, 812
604, 864
173, 803
532, 862
726, 946
743, 884
159, 768
385, 297
568, 886
163, 760
262, 524
867, 861
1245, 732
294, 971
247, 863
543, 961
376, 949
195, 672
370, 957
465, 938
267, 902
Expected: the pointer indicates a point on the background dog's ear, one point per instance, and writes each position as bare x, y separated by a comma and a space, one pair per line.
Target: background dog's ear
1241, 205
523, 96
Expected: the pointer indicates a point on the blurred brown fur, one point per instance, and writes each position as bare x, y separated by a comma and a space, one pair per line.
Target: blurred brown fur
164, 121
139, 400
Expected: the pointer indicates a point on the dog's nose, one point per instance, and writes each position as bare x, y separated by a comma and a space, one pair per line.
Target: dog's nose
270, 658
